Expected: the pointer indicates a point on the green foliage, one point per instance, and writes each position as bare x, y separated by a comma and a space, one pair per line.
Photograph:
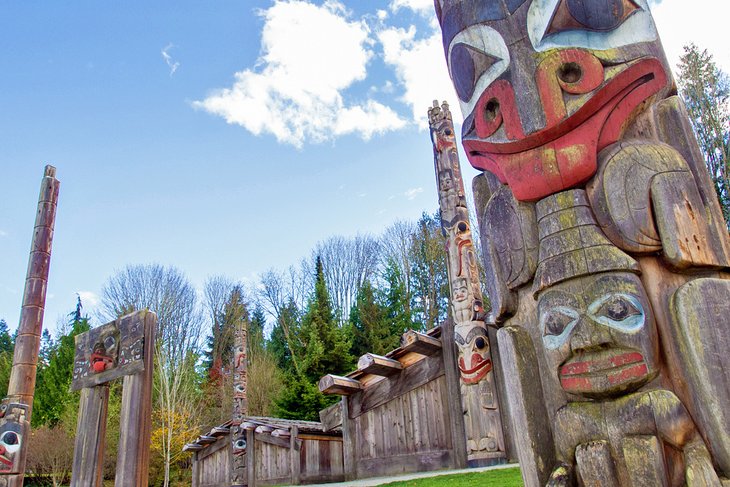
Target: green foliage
371, 327
430, 286
53, 395
706, 91
502, 477
6, 341
7, 346
286, 324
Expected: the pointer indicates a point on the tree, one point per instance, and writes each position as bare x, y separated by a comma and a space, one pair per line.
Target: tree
347, 264
265, 381
396, 245
430, 286
167, 292
53, 394
705, 90
370, 327
6, 341
323, 347
218, 292
50, 454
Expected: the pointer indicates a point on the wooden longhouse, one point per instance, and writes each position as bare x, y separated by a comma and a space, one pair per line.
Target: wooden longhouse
278, 451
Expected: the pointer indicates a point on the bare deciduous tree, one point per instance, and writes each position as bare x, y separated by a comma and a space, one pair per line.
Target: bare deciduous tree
167, 292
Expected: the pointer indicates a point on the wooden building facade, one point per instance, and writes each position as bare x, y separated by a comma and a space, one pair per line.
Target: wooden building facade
277, 452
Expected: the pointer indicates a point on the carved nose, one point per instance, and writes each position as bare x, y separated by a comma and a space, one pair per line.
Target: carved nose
589, 334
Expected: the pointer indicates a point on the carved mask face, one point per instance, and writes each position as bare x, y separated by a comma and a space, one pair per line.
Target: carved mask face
474, 361
105, 352
544, 85
13, 428
239, 442
599, 334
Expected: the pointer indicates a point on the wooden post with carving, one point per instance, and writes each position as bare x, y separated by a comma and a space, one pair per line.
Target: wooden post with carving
121, 348
240, 475
17, 407
481, 417
607, 256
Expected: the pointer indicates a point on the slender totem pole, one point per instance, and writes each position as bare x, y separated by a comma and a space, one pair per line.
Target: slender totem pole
604, 244
484, 439
17, 407
240, 404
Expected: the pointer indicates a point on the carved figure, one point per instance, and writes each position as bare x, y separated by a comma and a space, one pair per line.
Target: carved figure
14, 428
240, 404
482, 421
595, 201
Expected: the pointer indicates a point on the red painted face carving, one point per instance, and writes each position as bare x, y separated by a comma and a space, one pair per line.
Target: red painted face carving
539, 108
474, 361
598, 334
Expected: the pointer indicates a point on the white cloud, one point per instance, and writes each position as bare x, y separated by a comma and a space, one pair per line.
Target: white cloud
420, 67
173, 65
693, 25
89, 299
412, 193
310, 55
421, 6
3, 233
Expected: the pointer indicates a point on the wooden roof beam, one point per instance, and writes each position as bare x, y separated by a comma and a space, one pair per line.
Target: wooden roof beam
420, 343
335, 384
378, 365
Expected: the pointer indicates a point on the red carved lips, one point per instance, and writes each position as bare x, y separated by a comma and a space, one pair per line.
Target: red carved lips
5, 463
603, 372
565, 154
100, 362
481, 368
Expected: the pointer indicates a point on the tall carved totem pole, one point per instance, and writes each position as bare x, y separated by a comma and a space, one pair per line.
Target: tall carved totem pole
607, 254
240, 402
483, 427
16, 408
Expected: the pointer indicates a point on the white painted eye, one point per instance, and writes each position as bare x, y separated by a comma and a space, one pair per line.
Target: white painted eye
477, 56
557, 324
620, 311
634, 27
11, 441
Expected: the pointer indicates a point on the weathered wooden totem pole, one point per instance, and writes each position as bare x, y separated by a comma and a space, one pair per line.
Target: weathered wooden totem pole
122, 348
603, 240
483, 427
240, 405
16, 409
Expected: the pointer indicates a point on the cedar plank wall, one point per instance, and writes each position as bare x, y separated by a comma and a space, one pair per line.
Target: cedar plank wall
404, 429
213, 464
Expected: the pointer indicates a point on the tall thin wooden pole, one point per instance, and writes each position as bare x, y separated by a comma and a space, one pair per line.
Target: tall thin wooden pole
25, 360
240, 402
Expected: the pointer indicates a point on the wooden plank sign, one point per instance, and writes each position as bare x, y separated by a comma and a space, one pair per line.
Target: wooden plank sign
109, 352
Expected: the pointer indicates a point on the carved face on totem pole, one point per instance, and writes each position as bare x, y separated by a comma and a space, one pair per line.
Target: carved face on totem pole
239, 441
539, 107
13, 429
599, 334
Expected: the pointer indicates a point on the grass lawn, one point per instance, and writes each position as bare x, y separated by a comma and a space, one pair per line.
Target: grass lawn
506, 477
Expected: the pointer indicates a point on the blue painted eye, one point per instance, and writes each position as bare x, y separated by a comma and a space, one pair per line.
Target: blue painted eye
595, 15
622, 312
467, 65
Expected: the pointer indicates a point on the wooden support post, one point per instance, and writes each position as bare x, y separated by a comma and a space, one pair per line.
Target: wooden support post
454, 401
196, 470
90, 435
251, 457
349, 446
294, 459
378, 365
133, 457
416, 342
335, 384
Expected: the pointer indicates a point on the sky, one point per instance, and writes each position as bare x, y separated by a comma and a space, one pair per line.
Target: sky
227, 137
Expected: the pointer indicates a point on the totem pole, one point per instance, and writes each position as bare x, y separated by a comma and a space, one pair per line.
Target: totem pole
606, 252
240, 404
482, 422
17, 407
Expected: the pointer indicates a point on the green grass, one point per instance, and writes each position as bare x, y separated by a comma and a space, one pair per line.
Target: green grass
506, 477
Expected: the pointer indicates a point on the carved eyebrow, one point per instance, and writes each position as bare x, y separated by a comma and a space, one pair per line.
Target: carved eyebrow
473, 333
600, 285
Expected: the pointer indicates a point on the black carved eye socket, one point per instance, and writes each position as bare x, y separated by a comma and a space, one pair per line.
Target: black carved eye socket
109, 342
9, 438
618, 308
556, 321
480, 343
597, 15
467, 65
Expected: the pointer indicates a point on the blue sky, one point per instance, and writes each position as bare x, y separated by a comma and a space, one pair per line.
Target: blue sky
224, 137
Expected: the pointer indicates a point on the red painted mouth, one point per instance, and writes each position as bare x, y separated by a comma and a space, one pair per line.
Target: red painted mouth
481, 369
563, 155
603, 372
5, 462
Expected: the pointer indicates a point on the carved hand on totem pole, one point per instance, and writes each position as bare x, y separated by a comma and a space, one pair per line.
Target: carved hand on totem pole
14, 429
